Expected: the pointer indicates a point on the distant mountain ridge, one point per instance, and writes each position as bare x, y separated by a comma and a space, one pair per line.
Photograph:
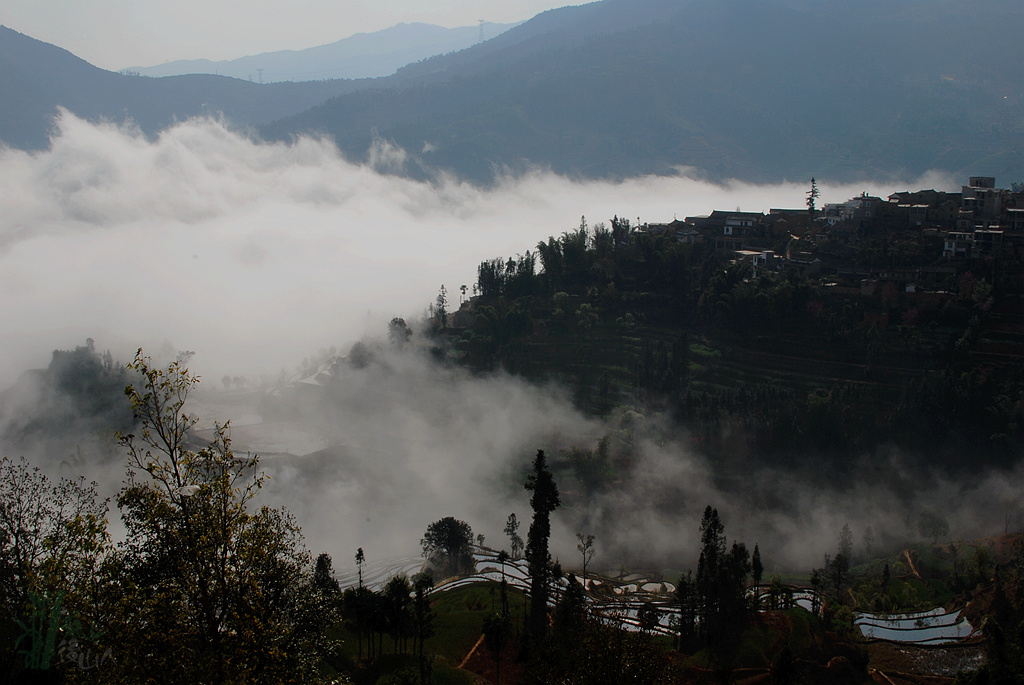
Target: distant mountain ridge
36, 78
363, 55
760, 90
757, 90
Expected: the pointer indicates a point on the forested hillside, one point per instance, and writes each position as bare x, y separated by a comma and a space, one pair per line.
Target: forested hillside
772, 364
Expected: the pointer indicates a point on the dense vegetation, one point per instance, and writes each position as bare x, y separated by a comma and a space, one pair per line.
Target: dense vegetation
770, 365
204, 588
71, 408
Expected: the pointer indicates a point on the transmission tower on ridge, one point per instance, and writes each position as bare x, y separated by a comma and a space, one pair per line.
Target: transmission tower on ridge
481, 38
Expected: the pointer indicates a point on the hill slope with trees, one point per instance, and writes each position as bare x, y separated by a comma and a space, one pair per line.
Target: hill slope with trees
767, 365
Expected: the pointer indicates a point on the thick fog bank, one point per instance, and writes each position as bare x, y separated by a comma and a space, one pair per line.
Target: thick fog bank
406, 442
257, 255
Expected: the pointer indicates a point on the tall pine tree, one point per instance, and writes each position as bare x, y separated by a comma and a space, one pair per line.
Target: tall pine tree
544, 501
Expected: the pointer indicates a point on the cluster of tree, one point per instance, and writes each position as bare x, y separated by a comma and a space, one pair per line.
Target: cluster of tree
52, 535
633, 305
714, 616
713, 606
514, 278
1004, 628
447, 544
832, 579
573, 645
401, 610
80, 392
205, 587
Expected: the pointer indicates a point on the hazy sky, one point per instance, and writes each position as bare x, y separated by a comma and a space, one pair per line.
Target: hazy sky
114, 34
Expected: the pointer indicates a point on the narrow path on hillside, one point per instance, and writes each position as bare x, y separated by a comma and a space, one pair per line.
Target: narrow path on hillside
910, 561
471, 652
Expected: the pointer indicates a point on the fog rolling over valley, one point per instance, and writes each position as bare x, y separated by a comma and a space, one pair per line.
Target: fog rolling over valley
409, 443
257, 255
659, 341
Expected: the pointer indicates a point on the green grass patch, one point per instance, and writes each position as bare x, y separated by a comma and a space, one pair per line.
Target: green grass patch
460, 617
801, 630
458, 623
755, 645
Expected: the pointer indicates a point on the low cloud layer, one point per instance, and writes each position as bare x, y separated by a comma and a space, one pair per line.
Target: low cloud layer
257, 255
410, 442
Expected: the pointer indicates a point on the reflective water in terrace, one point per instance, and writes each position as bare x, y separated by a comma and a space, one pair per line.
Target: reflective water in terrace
623, 600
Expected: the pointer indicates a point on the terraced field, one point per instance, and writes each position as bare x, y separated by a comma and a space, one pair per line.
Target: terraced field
620, 600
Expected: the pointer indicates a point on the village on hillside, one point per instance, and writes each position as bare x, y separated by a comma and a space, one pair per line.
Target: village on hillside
981, 222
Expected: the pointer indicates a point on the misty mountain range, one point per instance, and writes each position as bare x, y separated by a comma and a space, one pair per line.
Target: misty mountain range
744, 89
36, 78
363, 55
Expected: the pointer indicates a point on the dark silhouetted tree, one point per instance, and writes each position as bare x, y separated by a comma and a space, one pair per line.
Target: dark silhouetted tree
817, 579
359, 355
323, 576
360, 562
397, 598
812, 197
514, 540
709, 569
423, 619
721, 587
757, 568
544, 501
496, 630
586, 549
687, 602
441, 307
647, 617
452, 539
846, 541
570, 617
